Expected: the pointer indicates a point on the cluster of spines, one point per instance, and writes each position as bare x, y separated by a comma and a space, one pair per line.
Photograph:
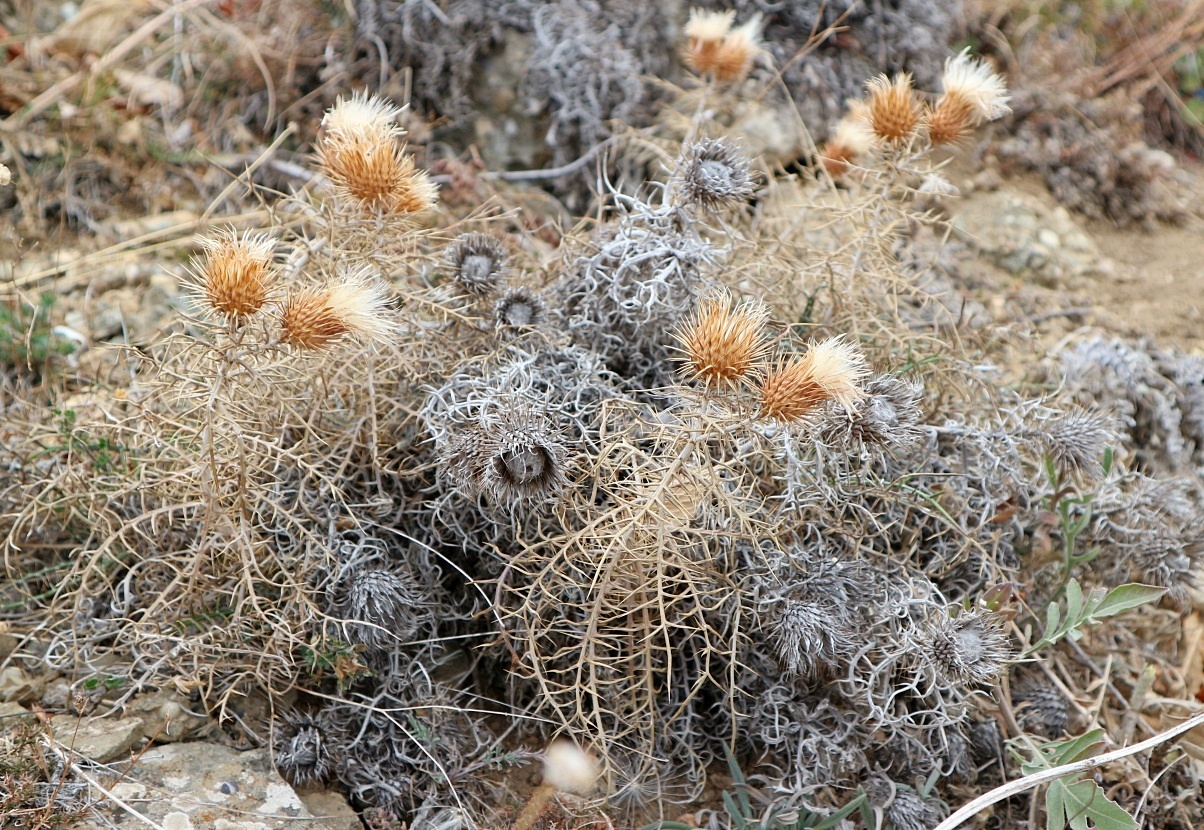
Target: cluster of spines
717, 49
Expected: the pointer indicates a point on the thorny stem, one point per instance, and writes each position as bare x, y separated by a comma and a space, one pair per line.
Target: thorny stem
1087, 764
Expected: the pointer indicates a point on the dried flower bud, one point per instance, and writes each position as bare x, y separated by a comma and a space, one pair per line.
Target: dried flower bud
1040, 707
360, 154
714, 175
809, 634
568, 768
888, 415
721, 342
515, 459
892, 108
740, 47
705, 32
904, 808
237, 273
972, 94
830, 371
851, 140
382, 608
1077, 439
519, 308
477, 261
968, 649
301, 750
355, 306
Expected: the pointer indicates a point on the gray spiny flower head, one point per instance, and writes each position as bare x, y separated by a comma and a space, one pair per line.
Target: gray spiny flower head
383, 608
519, 308
514, 459
968, 649
1040, 707
1076, 440
302, 751
888, 416
714, 175
903, 807
477, 261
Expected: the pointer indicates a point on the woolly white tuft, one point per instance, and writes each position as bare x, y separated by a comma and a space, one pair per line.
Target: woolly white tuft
973, 80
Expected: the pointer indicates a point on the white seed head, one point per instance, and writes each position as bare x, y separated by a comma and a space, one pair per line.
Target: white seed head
975, 82
362, 116
568, 768
708, 27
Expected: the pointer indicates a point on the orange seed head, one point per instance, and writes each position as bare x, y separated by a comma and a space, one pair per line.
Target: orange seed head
830, 371
722, 342
892, 108
236, 275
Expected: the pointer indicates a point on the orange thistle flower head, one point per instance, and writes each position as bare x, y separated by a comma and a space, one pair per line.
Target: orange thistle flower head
236, 275
721, 342
892, 109
973, 93
740, 47
829, 371
359, 152
705, 32
851, 139
355, 305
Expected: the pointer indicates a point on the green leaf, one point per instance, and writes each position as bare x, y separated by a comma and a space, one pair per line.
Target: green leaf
1126, 597
841, 814
1055, 806
1075, 749
1086, 800
1074, 600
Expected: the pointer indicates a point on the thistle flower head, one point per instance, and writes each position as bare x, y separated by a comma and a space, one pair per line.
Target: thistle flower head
354, 305
301, 750
705, 32
382, 608
1077, 439
892, 109
721, 342
568, 768
851, 140
360, 154
972, 94
888, 415
830, 371
362, 116
235, 278
477, 261
808, 634
739, 48
1040, 707
519, 308
969, 649
904, 808
515, 459
714, 175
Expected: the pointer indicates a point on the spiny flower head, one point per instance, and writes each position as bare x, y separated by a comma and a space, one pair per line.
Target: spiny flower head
477, 261
851, 139
1040, 707
567, 768
382, 608
892, 108
739, 49
969, 649
972, 94
236, 275
355, 305
713, 174
830, 371
301, 750
515, 459
362, 116
704, 33
1076, 441
721, 342
888, 415
713, 46
518, 308
359, 152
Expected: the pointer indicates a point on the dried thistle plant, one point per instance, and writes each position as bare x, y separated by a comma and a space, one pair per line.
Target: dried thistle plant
892, 108
722, 342
829, 371
237, 275
714, 175
477, 262
972, 95
354, 305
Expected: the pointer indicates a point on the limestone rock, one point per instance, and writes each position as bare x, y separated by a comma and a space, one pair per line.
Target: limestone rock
101, 739
204, 786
